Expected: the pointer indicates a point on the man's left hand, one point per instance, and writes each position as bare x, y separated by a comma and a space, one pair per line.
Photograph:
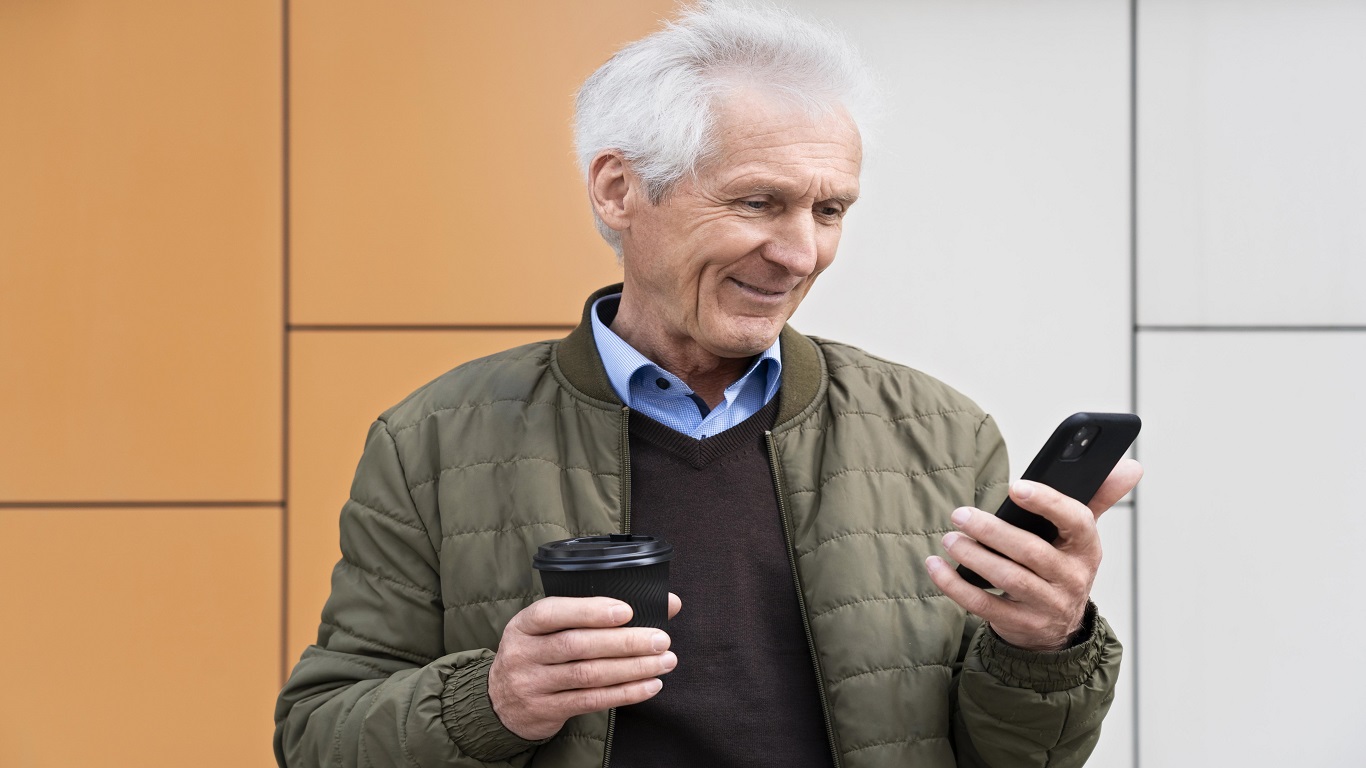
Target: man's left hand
1045, 587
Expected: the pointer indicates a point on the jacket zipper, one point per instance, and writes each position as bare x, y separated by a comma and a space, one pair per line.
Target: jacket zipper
625, 470
801, 598
625, 528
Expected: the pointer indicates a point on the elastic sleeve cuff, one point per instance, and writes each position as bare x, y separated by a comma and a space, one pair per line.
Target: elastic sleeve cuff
1046, 671
470, 720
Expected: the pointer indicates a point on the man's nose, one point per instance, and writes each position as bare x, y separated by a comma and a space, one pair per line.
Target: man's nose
794, 244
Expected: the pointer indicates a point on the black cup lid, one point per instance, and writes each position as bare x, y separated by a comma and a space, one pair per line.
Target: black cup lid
593, 553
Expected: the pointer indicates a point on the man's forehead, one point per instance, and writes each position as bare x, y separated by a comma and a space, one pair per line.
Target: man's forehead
766, 146
828, 172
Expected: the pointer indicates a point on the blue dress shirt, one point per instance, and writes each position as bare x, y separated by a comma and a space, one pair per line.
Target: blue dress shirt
653, 391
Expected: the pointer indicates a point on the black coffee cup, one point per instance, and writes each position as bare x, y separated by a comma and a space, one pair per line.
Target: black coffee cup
630, 568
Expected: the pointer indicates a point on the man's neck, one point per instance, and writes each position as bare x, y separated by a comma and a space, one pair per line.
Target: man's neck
705, 373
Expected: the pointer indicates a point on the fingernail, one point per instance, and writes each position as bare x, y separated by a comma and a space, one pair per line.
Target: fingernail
659, 641
619, 613
1022, 489
933, 563
654, 686
961, 515
950, 539
668, 661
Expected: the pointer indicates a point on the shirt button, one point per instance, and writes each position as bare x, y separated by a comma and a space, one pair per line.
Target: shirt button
662, 383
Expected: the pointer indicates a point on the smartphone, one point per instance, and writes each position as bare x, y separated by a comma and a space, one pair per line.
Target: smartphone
1075, 461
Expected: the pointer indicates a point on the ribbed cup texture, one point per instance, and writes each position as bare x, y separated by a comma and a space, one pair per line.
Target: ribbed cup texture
644, 587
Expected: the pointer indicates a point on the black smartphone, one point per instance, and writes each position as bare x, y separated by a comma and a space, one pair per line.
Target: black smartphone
1075, 461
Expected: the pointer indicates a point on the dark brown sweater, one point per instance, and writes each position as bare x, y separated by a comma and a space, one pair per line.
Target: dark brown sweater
744, 692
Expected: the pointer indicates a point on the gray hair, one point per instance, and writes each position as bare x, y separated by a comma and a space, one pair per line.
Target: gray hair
655, 100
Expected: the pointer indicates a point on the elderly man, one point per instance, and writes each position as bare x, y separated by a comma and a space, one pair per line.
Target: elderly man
805, 485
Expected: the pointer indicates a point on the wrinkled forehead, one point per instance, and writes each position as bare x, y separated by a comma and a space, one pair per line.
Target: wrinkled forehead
767, 142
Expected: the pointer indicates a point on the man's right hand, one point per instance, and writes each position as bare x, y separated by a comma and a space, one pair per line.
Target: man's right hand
566, 656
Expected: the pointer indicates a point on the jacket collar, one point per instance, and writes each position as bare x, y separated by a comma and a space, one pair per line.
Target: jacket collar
578, 360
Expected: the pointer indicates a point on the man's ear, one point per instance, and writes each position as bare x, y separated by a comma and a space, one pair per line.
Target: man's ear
610, 184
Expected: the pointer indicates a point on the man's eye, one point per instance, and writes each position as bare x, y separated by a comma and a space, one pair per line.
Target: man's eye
832, 211
756, 205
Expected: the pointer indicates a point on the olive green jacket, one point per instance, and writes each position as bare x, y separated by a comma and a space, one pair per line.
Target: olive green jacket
462, 481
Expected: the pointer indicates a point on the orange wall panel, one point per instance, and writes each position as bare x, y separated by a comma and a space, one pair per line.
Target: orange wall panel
139, 637
339, 383
432, 167
140, 250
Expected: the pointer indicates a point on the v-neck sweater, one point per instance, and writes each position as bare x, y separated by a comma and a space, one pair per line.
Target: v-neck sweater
744, 691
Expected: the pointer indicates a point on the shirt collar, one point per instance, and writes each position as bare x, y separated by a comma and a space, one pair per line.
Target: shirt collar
623, 362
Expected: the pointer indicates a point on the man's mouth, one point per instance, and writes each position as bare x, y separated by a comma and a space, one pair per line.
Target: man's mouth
758, 290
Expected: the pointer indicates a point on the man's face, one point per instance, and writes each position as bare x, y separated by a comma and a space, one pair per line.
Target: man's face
721, 263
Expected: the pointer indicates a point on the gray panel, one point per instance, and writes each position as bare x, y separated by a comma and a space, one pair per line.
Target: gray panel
1252, 167
1250, 537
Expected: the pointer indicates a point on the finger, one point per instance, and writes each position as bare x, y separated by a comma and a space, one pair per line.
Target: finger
586, 700
1018, 581
576, 644
1019, 624
974, 600
1074, 521
605, 673
675, 604
1011, 542
553, 614
1122, 479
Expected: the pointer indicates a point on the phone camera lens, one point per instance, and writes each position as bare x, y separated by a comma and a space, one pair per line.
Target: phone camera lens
1080, 442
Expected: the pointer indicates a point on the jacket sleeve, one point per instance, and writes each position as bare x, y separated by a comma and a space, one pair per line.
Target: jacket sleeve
379, 689
1014, 707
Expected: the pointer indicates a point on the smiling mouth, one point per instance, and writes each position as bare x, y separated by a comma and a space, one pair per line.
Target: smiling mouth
758, 290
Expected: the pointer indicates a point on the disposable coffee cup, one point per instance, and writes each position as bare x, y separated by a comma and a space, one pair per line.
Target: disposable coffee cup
630, 568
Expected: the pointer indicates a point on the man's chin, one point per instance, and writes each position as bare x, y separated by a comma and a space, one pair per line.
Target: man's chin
747, 342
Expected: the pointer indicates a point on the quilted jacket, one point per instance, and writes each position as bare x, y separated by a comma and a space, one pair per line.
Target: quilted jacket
463, 480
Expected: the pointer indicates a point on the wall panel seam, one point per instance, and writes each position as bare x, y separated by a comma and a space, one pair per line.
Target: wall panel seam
1236, 328
284, 337
1133, 363
381, 327
147, 504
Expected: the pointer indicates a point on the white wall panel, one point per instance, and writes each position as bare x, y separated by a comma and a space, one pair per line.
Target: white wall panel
1113, 594
990, 245
1250, 541
1252, 164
